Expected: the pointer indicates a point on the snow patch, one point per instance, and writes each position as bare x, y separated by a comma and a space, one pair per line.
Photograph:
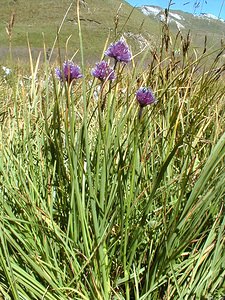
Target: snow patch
179, 25
209, 16
150, 10
176, 16
159, 12
171, 20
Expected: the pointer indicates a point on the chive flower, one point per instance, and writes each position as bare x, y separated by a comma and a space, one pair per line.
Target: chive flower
69, 72
145, 96
119, 51
103, 71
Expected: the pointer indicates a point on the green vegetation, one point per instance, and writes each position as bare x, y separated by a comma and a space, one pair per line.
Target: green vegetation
33, 19
40, 20
99, 204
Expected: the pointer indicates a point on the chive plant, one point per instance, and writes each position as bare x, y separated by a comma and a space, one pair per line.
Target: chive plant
120, 201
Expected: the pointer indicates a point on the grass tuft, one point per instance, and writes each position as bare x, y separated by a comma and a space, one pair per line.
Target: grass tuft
102, 204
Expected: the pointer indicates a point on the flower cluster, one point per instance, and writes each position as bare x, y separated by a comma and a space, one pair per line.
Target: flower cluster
103, 71
145, 96
121, 53
69, 72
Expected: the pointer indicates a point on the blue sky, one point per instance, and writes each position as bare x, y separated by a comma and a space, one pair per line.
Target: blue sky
215, 7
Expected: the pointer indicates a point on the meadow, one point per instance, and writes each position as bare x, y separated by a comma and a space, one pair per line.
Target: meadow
100, 201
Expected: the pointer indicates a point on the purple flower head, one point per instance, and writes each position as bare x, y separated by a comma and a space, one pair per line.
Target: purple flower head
145, 96
119, 51
69, 72
103, 71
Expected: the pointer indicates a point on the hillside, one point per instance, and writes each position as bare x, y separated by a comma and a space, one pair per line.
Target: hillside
199, 25
34, 18
39, 21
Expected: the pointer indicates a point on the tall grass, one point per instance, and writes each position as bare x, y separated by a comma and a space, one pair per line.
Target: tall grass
101, 205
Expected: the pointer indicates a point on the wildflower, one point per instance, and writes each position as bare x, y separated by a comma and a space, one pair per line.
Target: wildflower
145, 96
69, 72
6, 70
103, 71
119, 51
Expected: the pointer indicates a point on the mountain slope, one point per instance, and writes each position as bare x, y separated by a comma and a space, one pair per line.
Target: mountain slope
39, 21
199, 26
44, 16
